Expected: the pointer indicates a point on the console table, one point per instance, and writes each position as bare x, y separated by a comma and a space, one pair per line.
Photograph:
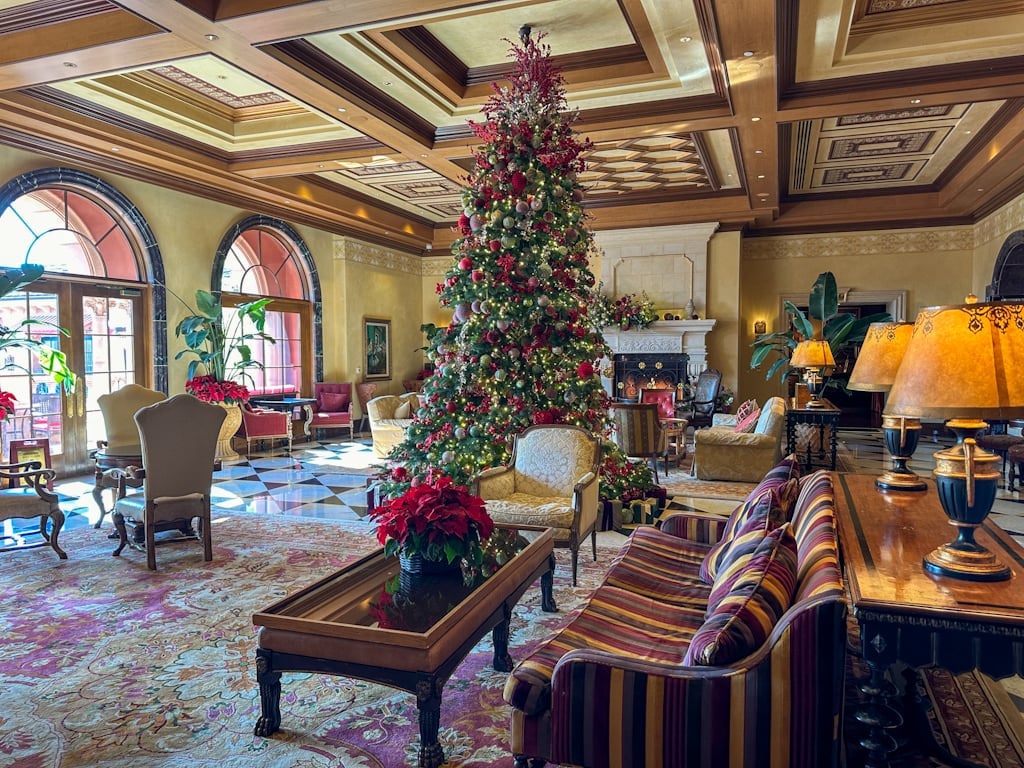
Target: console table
906, 614
823, 416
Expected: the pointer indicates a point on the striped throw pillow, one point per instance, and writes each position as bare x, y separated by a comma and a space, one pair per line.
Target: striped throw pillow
772, 509
777, 476
744, 618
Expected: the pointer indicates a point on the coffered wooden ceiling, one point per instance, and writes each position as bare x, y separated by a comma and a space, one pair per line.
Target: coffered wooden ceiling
351, 115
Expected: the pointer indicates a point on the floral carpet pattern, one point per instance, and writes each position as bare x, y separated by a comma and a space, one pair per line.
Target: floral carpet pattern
104, 663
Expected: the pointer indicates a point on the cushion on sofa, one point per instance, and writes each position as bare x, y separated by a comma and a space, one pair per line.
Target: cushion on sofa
748, 422
333, 402
404, 411
770, 511
744, 618
746, 408
776, 477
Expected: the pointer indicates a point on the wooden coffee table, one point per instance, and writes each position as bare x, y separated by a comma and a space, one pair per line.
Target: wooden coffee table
366, 622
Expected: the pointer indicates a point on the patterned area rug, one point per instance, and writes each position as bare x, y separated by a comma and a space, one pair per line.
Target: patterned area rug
104, 663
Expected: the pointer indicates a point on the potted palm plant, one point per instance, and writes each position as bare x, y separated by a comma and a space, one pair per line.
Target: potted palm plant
221, 356
822, 319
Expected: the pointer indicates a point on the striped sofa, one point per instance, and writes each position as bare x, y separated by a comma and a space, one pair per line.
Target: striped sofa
709, 643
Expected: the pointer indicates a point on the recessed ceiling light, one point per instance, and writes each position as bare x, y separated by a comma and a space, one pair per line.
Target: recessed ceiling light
758, 151
211, 38
685, 39
387, 83
755, 119
70, 64
980, 189
115, 149
341, 109
748, 54
968, 130
760, 175
915, 101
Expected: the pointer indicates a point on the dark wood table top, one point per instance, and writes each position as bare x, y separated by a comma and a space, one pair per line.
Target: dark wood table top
884, 537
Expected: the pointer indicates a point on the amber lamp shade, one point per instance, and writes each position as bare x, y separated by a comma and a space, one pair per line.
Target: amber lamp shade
875, 371
964, 363
814, 356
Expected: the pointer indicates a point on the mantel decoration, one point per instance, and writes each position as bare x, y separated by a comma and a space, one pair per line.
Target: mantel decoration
52, 361
628, 312
433, 526
220, 354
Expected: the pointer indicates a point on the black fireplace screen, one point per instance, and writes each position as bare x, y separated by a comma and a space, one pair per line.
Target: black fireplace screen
633, 372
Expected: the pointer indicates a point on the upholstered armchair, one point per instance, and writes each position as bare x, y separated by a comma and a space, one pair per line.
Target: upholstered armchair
637, 430
121, 434
179, 440
26, 494
265, 424
551, 480
333, 409
722, 453
118, 410
390, 417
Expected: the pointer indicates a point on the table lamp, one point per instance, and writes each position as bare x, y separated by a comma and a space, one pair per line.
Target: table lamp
814, 356
875, 371
964, 363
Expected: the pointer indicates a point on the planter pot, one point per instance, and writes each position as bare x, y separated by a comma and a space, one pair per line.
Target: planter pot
232, 422
417, 566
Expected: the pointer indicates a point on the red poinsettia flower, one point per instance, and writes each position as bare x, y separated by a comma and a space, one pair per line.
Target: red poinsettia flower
6, 404
435, 519
210, 390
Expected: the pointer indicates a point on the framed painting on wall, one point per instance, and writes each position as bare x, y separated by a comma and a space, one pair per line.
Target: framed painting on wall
376, 348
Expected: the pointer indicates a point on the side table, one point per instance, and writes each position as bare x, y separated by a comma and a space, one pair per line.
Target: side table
110, 458
823, 416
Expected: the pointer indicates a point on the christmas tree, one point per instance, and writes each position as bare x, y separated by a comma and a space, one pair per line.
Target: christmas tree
520, 349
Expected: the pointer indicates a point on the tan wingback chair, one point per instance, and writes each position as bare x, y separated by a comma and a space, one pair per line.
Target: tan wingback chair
179, 440
390, 416
551, 480
721, 453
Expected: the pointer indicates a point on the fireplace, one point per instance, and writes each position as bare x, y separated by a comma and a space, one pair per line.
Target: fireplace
667, 353
633, 372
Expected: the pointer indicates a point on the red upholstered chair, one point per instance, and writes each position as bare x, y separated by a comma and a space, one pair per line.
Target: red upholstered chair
264, 424
365, 393
333, 409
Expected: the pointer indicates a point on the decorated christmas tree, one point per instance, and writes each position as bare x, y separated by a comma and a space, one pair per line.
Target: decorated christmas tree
520, 348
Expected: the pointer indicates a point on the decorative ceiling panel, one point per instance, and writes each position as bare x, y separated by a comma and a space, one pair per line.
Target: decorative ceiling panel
358, 120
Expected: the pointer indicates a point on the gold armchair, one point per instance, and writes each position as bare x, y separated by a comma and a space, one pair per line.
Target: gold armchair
179, 440
551, 481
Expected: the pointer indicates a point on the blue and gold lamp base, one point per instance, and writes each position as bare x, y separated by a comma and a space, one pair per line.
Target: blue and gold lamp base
901, 437
966, 479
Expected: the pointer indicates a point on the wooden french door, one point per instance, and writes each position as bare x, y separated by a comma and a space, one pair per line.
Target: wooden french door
105, 349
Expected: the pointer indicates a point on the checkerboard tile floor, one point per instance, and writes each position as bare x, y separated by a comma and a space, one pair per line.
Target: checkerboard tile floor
327, 480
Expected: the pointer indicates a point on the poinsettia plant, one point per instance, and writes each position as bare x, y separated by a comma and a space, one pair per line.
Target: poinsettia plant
211, 390
436, 519
6, 404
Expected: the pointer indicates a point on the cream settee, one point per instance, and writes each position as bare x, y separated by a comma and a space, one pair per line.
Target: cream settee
722, 453
390, 416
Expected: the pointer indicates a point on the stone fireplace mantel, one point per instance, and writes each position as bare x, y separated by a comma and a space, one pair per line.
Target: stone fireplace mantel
666, 337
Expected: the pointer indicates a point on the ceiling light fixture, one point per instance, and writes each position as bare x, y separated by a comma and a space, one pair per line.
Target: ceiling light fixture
755, 119
758, 151
212, 37
915, 101
760, 175
748, 54
342, 109
70, 64
685, 39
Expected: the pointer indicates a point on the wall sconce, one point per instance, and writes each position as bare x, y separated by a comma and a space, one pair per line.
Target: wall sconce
760, 327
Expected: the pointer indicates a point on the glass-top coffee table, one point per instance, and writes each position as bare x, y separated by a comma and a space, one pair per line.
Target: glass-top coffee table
372, 622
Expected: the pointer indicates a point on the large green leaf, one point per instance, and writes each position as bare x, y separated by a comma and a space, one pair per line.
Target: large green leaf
824, 299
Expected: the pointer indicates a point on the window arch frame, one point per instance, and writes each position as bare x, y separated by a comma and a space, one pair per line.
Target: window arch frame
288, 233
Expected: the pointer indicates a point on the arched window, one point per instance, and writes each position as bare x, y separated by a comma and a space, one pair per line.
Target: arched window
265, 257
78, 226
